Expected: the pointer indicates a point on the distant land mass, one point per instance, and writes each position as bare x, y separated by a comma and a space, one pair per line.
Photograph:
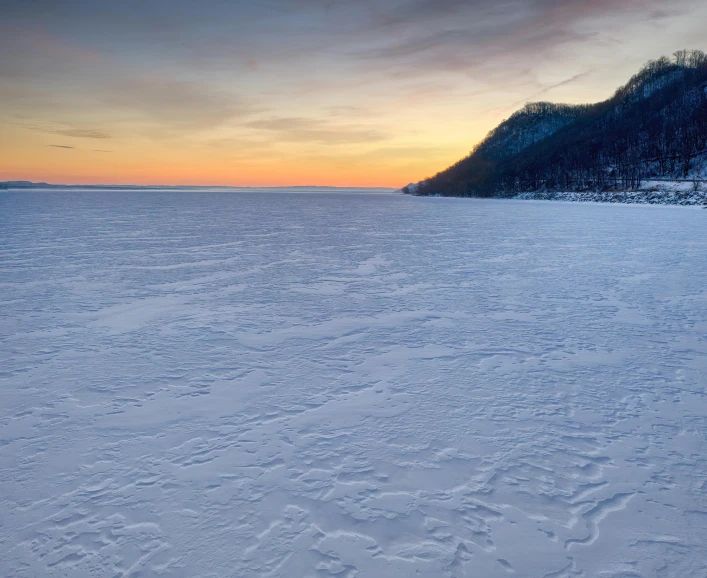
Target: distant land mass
21, 184
653, 129
12, 185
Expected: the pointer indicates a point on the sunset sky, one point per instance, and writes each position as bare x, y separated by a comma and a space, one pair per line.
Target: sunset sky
296, 92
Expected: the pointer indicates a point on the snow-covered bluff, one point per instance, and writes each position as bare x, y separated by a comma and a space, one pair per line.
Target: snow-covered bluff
653, 128
653, 192
673, 194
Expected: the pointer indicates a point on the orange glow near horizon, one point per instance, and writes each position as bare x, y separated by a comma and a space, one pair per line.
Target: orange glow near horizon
65, 166
41, 156
215, 178
287, 94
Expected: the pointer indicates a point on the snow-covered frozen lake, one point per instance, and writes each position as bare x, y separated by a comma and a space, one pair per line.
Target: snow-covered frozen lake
351, 385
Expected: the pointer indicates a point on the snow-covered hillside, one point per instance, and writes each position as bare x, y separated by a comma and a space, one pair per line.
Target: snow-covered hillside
354, 386
658, 192
533, 123
688, 191
655, 126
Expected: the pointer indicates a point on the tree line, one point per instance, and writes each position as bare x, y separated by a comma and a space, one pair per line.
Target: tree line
654, 126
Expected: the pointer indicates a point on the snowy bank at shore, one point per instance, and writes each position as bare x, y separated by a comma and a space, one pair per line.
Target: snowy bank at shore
688, 193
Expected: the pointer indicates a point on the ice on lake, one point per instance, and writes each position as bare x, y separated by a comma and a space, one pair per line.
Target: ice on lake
351, 385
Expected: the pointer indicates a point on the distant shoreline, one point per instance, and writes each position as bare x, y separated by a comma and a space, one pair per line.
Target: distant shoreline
27, 185
679, 192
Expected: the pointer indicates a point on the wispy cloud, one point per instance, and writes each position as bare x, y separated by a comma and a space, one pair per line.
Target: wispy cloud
425, 36
60, 146
299, 129
79, 133
174, 103
551, 87
67, 132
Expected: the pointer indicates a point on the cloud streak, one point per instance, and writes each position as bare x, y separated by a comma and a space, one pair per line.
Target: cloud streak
67, 132
303, 130
79, 133
477, 34
552, 87
174, 103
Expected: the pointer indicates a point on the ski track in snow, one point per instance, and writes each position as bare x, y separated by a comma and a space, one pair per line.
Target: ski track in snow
350, 385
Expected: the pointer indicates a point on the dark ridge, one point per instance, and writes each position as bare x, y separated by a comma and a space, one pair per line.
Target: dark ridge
653, 127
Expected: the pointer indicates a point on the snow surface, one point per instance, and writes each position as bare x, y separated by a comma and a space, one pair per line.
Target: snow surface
651, 192
296, 385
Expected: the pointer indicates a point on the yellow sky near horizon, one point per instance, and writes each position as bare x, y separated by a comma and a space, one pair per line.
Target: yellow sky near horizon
312, 93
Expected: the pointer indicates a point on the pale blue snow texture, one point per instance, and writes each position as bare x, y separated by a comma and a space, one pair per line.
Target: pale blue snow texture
352, 385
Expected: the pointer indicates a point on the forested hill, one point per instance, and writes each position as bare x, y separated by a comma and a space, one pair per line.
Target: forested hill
654, 126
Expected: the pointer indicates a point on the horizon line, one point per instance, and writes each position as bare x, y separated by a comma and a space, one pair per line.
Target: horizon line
30, 184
